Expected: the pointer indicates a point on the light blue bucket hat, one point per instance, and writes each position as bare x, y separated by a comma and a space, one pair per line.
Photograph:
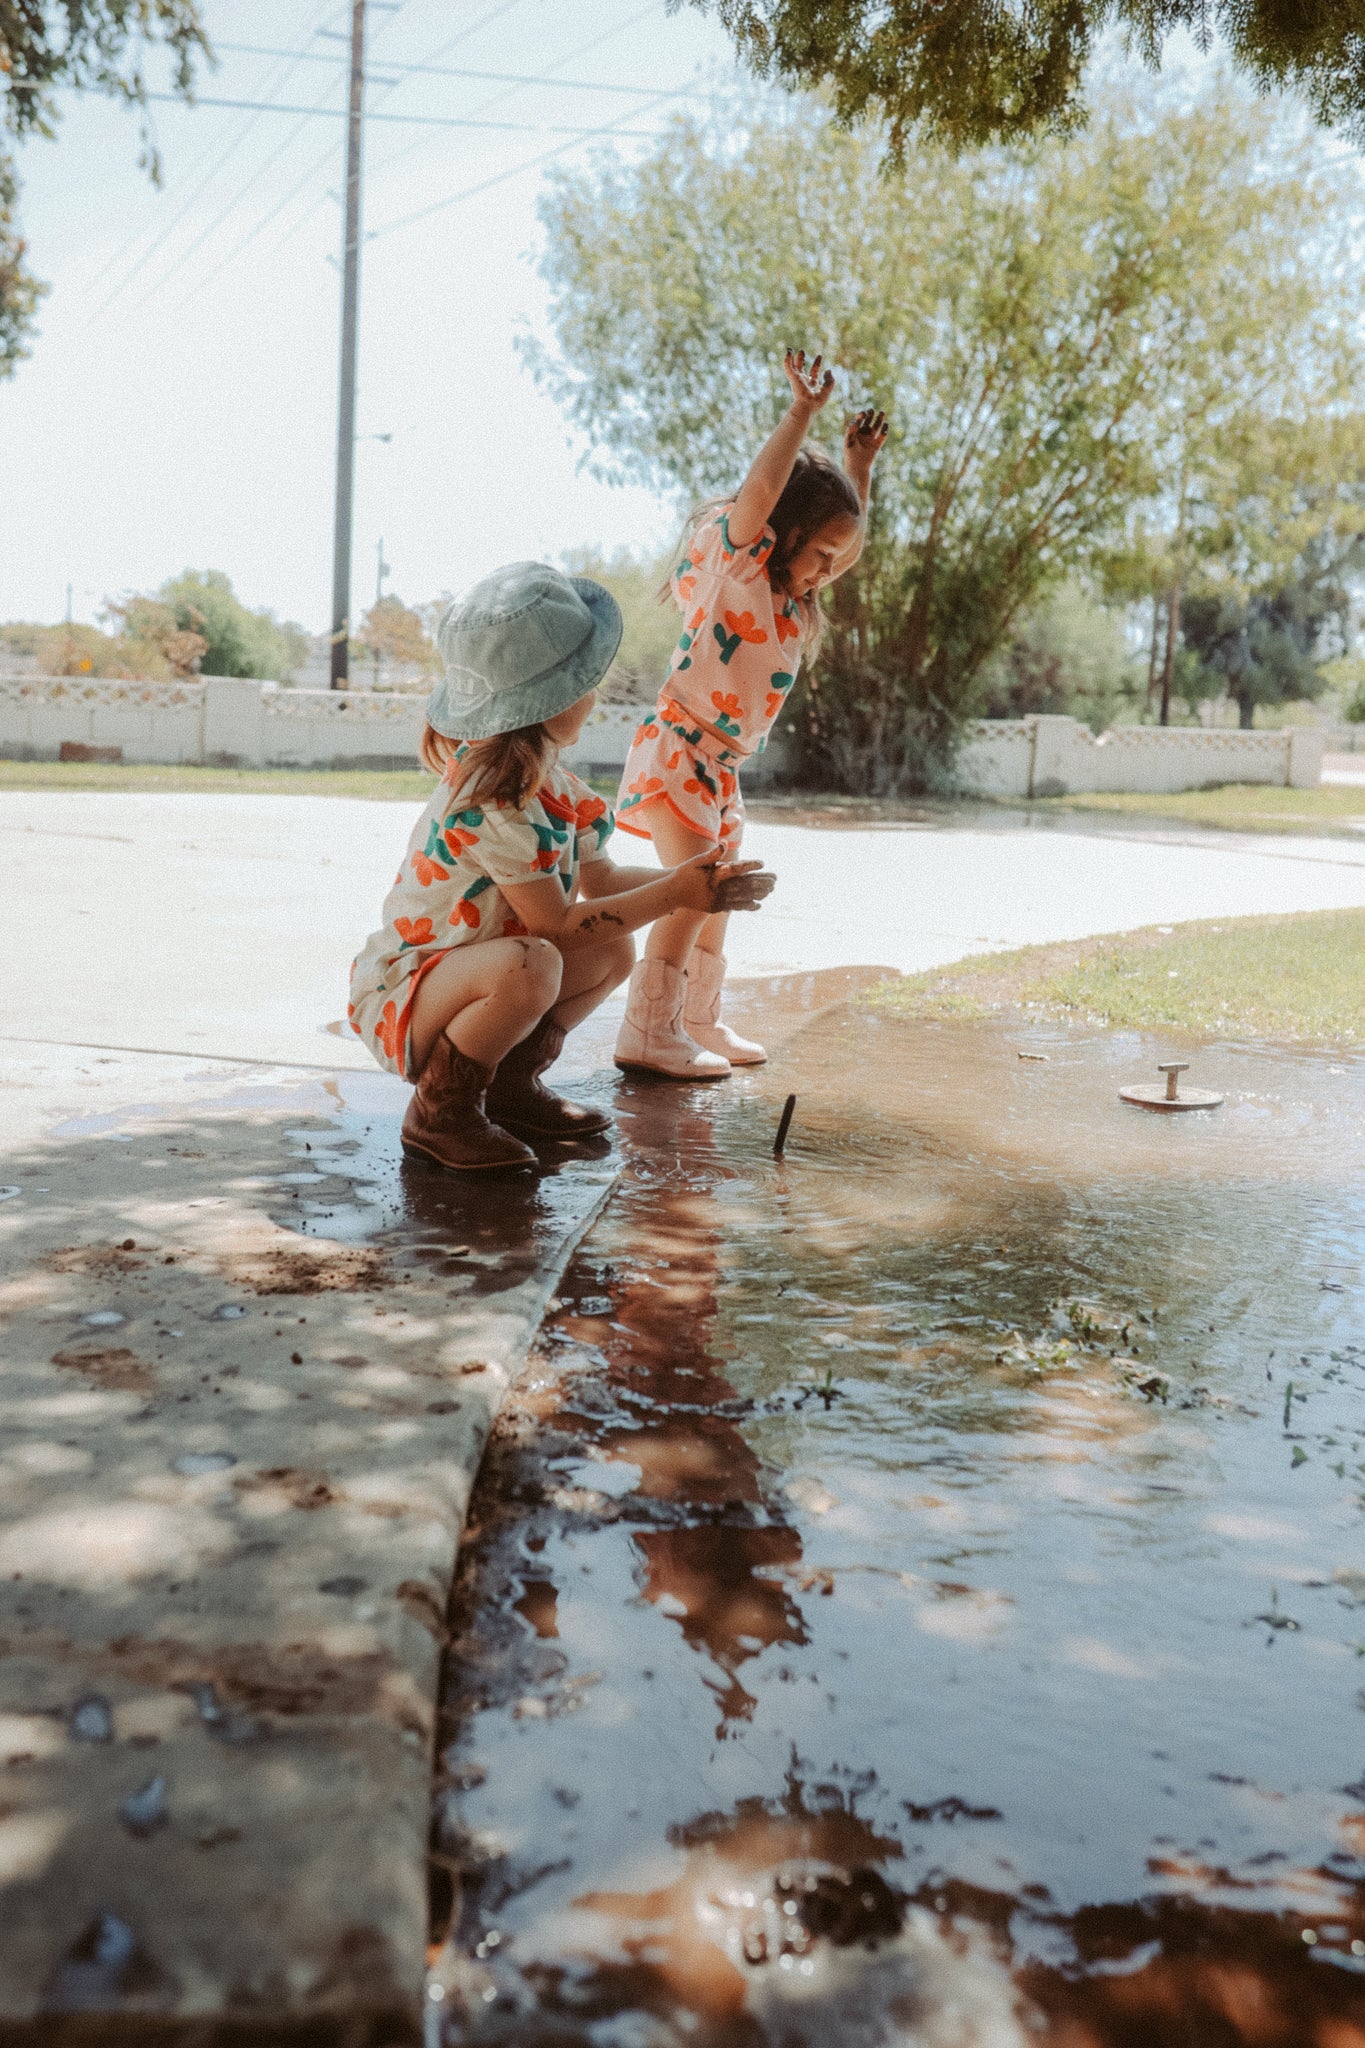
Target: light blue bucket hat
524, 644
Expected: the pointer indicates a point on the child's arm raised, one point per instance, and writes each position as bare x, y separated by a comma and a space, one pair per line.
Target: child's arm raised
707, 882
767, 478
864, 438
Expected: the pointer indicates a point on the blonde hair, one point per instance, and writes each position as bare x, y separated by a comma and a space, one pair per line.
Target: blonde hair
816, 492
507, 769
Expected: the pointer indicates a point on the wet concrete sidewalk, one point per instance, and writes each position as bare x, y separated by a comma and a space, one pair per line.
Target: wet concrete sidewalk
249, 1364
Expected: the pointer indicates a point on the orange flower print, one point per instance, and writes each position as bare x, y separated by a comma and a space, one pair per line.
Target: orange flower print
388, 1032
686, 585
648, 731
673, 760
646, 785
428, 871
745, 627
729, 713
513, 928
588, 810
772, 704
414, 931
787, 628
457, 838
468, 913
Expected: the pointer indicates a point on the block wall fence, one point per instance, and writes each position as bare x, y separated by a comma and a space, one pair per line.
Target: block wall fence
229, 721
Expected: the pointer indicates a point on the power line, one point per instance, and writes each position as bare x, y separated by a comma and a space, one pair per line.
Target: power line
220, 159
322, 113
485, 185
241, 193
472, 28
435, 71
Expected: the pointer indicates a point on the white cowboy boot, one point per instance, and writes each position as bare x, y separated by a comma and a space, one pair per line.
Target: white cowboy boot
701, 1012
652, 1039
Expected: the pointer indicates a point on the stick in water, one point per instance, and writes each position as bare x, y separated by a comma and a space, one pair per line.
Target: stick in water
780, 1141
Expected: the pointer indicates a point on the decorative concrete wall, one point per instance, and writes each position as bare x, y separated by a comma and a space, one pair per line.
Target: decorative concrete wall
234, 721
1050, 756
230, 721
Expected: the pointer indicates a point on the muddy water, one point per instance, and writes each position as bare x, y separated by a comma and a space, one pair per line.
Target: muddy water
918, 1594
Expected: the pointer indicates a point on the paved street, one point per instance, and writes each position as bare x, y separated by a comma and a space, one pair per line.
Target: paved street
224, 925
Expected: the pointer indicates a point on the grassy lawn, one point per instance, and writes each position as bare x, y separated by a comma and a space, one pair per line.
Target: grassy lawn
1334, 809
410, 785
405, 785
1299, 977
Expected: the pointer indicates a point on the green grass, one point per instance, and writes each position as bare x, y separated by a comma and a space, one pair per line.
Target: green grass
1236, 807
1299, 978
402, 785
408, 785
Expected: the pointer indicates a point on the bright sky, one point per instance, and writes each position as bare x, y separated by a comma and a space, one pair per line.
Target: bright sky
179, 407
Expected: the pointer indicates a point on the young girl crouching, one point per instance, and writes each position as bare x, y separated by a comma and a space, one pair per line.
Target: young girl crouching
508, 922
748, 585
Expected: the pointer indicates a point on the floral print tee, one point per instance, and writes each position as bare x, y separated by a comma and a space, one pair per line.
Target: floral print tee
741, 640
448, 891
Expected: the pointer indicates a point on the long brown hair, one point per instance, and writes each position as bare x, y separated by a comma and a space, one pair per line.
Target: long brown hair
816, 492
508, 769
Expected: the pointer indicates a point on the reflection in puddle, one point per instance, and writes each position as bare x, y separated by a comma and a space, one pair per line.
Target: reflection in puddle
968, 1649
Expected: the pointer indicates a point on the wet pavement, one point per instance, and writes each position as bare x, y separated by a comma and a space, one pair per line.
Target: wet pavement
248, 1363
917, 1594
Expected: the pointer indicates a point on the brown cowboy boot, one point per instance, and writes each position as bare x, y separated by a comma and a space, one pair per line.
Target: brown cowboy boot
445, 1122
518, 1097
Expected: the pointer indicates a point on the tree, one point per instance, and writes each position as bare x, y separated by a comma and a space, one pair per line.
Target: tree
392, 634
649, 629
238, 642
91, 45
95, 45
1269, 646
1066, 654
20, 291
1032, 316
152, 640
986, 71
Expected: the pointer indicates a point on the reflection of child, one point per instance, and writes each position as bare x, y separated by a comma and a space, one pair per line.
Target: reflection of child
747, 585
486, 957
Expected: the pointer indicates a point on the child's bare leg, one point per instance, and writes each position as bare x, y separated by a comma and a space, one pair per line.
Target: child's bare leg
486, 998
672, 938
590, 975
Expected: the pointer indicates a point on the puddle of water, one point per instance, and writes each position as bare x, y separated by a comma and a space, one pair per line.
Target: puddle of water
985, 1562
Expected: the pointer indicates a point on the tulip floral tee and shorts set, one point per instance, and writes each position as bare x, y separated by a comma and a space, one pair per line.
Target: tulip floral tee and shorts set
728, 679
448, 892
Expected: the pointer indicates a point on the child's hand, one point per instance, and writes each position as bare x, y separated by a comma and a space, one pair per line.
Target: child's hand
711, 883
809, 388
864, 438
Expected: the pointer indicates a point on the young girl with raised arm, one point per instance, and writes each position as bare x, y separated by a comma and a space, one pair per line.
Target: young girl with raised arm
487, 956
747, 584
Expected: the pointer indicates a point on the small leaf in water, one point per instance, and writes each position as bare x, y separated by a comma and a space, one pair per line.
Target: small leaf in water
144, 1811
91, 1719
194, 1464
1300, 1457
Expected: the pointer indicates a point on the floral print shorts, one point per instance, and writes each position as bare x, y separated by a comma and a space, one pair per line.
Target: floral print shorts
673, 761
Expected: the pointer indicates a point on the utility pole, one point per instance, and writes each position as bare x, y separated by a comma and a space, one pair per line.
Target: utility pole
350, 301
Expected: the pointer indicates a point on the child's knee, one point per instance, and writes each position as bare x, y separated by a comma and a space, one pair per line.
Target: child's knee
540, 969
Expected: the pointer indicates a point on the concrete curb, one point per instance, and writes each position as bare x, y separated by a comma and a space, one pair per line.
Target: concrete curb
228, 1523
